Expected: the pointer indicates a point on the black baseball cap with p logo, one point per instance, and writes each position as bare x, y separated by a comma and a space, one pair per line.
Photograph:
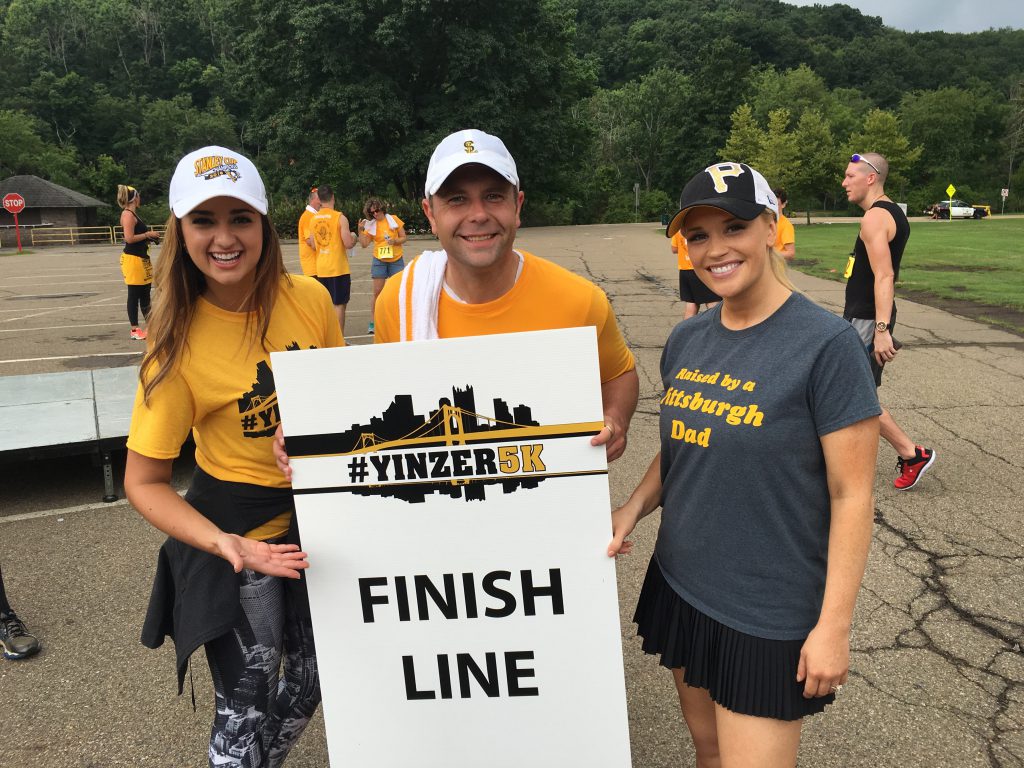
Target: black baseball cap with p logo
733, 187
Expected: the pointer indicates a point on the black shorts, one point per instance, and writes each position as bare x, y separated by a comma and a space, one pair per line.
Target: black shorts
340, 288
745, 674
691, 289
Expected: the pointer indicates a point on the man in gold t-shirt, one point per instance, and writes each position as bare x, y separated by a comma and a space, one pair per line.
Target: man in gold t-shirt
692, 292
331, 237
479, 284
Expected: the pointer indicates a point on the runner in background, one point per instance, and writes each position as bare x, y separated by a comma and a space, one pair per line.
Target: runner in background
387, 233
135, 264
307, 253
332, 238
678, 246
785, 241
692, 292
870, 307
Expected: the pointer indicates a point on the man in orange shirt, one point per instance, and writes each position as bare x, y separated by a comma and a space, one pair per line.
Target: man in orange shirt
307, 253
692, 292
479, 284
331, 237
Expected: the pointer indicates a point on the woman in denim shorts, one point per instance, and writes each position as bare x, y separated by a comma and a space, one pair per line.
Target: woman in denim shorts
387, 233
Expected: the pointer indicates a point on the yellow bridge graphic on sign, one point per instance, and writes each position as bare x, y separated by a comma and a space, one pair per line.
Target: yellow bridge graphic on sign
446, 426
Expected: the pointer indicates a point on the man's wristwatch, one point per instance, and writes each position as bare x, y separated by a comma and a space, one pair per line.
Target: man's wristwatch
881, 327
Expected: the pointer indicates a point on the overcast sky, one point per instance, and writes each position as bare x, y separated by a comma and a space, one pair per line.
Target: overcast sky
931, 15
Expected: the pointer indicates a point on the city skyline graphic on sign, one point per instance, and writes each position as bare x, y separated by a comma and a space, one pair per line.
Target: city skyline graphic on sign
455, 422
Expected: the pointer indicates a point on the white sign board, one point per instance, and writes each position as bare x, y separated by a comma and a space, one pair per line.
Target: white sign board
456, 520
1004, 193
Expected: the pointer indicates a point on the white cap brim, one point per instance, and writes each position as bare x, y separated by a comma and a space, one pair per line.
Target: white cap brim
449, 165
188, 204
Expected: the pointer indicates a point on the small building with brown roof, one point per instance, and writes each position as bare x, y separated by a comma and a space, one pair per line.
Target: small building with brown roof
46, 205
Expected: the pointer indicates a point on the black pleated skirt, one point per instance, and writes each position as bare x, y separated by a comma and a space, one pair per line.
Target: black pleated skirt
745, 674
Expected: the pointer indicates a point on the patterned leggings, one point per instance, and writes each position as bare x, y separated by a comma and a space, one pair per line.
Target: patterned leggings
259, 715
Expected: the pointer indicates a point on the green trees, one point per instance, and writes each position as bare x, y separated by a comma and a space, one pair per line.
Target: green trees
881, 132
367, 113
591, 97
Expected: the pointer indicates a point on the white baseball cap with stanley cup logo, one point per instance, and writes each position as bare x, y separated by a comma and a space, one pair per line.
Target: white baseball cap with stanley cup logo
469, 146
215, 172
732, 187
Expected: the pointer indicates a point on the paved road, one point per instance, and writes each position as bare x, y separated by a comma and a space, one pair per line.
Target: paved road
938, 672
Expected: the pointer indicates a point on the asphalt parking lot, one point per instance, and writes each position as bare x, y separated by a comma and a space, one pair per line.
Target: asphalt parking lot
937, 674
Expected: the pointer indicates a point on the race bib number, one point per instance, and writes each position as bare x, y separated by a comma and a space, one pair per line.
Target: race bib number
385, 252
849, 268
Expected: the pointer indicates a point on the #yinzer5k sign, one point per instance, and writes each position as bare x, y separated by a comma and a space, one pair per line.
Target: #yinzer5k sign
456, 519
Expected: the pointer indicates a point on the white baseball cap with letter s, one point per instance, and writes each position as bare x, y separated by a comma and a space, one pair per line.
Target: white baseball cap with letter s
215, 172
469, 146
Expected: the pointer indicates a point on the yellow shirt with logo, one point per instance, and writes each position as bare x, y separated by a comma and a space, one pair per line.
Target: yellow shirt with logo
786, 233
546, 296
222, 389
331, 256
307, 253
382, 247
682, 253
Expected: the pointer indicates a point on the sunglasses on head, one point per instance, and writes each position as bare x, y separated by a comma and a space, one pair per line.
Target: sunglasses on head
856, 158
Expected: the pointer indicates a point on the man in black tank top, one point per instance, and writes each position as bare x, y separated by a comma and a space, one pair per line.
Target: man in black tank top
871, 274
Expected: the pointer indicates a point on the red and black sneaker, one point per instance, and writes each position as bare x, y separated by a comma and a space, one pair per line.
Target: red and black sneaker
911, 470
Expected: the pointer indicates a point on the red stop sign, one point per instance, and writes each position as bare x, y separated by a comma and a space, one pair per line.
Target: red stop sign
14, 203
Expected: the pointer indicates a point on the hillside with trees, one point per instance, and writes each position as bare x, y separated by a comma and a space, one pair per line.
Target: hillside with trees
592, 97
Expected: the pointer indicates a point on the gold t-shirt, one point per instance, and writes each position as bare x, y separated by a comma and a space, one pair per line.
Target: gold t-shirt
223, 389
546, 296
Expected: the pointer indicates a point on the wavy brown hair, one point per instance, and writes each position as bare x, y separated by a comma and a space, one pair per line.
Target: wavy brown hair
374, 202
178, 284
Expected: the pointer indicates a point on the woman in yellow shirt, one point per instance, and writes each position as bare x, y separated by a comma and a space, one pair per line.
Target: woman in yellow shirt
228, 576
387, 233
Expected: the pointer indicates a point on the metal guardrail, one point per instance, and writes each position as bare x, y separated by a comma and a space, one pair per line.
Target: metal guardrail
71, 235
79, 235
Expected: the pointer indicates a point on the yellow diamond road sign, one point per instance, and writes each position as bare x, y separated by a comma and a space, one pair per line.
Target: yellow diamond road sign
950, 190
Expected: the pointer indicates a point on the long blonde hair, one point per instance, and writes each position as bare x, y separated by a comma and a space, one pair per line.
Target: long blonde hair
178, 284
125, 195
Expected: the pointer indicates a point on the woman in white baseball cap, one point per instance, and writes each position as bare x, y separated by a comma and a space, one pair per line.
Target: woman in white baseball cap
769, 431
229, 575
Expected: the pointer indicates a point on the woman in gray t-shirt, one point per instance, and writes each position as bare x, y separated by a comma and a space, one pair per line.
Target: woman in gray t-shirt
769, 431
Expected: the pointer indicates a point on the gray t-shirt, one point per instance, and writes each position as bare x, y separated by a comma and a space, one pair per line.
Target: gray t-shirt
744, 531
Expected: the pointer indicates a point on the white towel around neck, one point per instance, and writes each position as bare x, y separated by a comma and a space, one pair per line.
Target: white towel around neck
426, 272
370, 227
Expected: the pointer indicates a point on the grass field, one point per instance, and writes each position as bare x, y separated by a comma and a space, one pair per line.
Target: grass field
959, 265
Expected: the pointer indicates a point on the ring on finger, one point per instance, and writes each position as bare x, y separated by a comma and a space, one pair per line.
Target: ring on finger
836, 689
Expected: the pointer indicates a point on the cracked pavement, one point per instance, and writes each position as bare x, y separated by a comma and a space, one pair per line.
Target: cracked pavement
937, 670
